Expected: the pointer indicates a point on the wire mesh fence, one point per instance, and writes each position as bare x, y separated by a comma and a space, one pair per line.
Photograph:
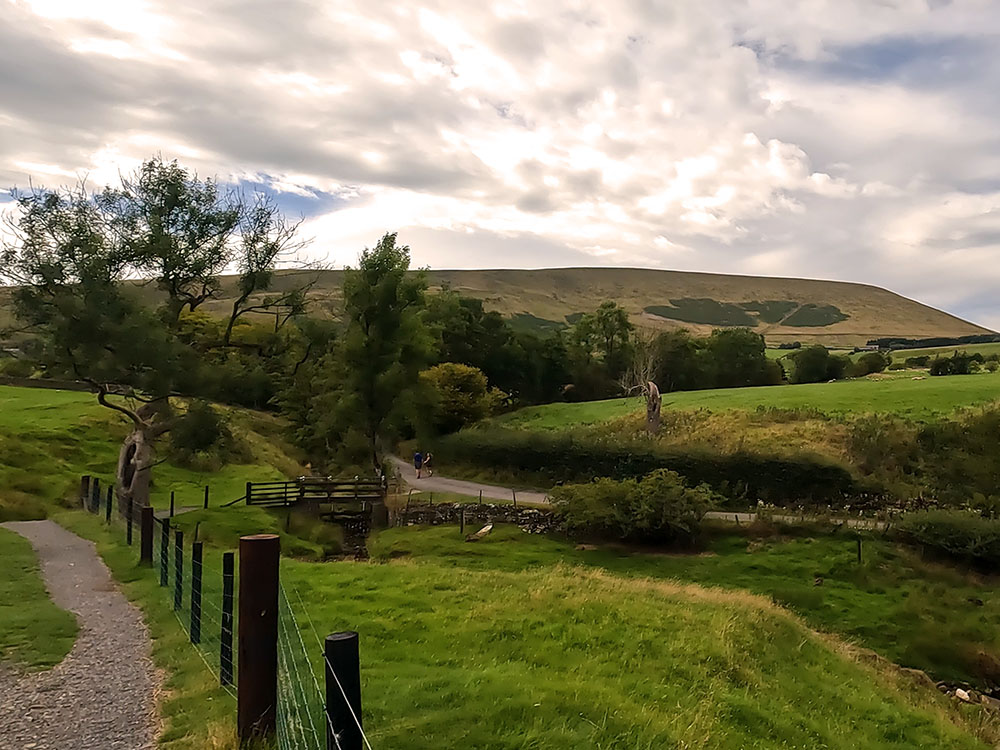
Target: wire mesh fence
199, 584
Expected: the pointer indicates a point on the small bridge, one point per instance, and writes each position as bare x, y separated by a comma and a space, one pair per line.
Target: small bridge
359, 503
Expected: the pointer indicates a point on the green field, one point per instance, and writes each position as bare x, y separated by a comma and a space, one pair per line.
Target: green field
918, 399
946, 351
528, 642
34, 632
506, 653
49, 438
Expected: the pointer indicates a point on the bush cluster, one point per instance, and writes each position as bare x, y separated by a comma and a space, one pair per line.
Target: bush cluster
659, 508
962, 535
574, 457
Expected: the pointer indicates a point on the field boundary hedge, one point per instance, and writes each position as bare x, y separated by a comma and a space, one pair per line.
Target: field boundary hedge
566, 457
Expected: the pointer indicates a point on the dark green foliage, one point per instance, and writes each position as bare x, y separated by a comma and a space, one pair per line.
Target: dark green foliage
814, 364
658, 509
528, 367
201, 439
771, 311
960, 455
567, 457
574, 318
737, 358
901, 343
869, 363
958, 363
815, 316
704, 311
601, 350
921, 361
728, 358
528, 323
366, 386
962, 535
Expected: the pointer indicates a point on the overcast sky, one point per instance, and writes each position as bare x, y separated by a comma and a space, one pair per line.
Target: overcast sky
850, 139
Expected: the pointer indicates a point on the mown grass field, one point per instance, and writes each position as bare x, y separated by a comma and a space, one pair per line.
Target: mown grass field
917, 399
35, 634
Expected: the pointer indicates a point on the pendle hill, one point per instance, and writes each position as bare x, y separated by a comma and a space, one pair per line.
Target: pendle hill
832, 313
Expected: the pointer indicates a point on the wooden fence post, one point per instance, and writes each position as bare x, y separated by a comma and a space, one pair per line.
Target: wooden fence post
343, 691
164, 551
146, 536
206, 497
257, 648
84, 489
859, 550
196, 555
95, 495
171, 503
129, 512
226, 635
107, 504
178, 569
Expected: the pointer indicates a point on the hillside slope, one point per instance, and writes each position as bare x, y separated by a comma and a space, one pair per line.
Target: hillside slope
833, 313
829, 312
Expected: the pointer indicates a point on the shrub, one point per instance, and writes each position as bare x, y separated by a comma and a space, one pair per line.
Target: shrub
958, 363
658, 508
868, 363
17, 368
575, 457
201, 439
459, 395
959, 534
992, 365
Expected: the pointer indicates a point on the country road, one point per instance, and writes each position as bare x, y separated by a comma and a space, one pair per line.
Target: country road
438, 483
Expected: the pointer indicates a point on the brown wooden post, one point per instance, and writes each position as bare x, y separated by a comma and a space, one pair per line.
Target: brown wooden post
257, 659
206, 497
146, 536
343, 691
84, 489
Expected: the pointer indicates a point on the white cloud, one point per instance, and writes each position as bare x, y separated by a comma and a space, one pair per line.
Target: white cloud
828, 139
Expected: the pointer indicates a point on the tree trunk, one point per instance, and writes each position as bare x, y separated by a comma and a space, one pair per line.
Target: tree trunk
652, 408
134, 468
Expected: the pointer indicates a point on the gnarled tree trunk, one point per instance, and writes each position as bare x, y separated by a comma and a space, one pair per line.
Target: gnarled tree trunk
135, 464
653, 402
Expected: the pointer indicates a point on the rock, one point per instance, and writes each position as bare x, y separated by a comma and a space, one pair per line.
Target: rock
990, 702
963, 696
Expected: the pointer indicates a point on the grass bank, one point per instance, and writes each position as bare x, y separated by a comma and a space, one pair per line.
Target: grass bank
558, 656
35, 634
915, 399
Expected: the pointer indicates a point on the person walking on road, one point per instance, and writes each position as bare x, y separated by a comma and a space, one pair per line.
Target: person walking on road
418, 462
428, 458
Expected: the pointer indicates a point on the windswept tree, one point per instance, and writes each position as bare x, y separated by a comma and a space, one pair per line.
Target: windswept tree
81, 263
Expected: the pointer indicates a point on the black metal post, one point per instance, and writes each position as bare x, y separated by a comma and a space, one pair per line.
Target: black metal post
128, 521
206, 497
146, 536
178, 569
514, 493
107, 504
461, 528
249, 489
343, 691
257, 690
226, 636
196, 592
164, 551
171, 503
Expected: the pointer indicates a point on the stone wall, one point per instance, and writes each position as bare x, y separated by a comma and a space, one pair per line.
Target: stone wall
532, 520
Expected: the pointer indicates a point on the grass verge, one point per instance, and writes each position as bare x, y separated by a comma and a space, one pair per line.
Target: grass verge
35, 634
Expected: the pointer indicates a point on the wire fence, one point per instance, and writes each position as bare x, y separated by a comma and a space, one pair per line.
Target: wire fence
199, 584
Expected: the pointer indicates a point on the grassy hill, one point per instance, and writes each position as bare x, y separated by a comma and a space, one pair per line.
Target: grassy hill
925, 398
829, 312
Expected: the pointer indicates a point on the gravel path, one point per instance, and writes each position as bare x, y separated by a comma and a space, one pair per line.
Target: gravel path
101, 697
